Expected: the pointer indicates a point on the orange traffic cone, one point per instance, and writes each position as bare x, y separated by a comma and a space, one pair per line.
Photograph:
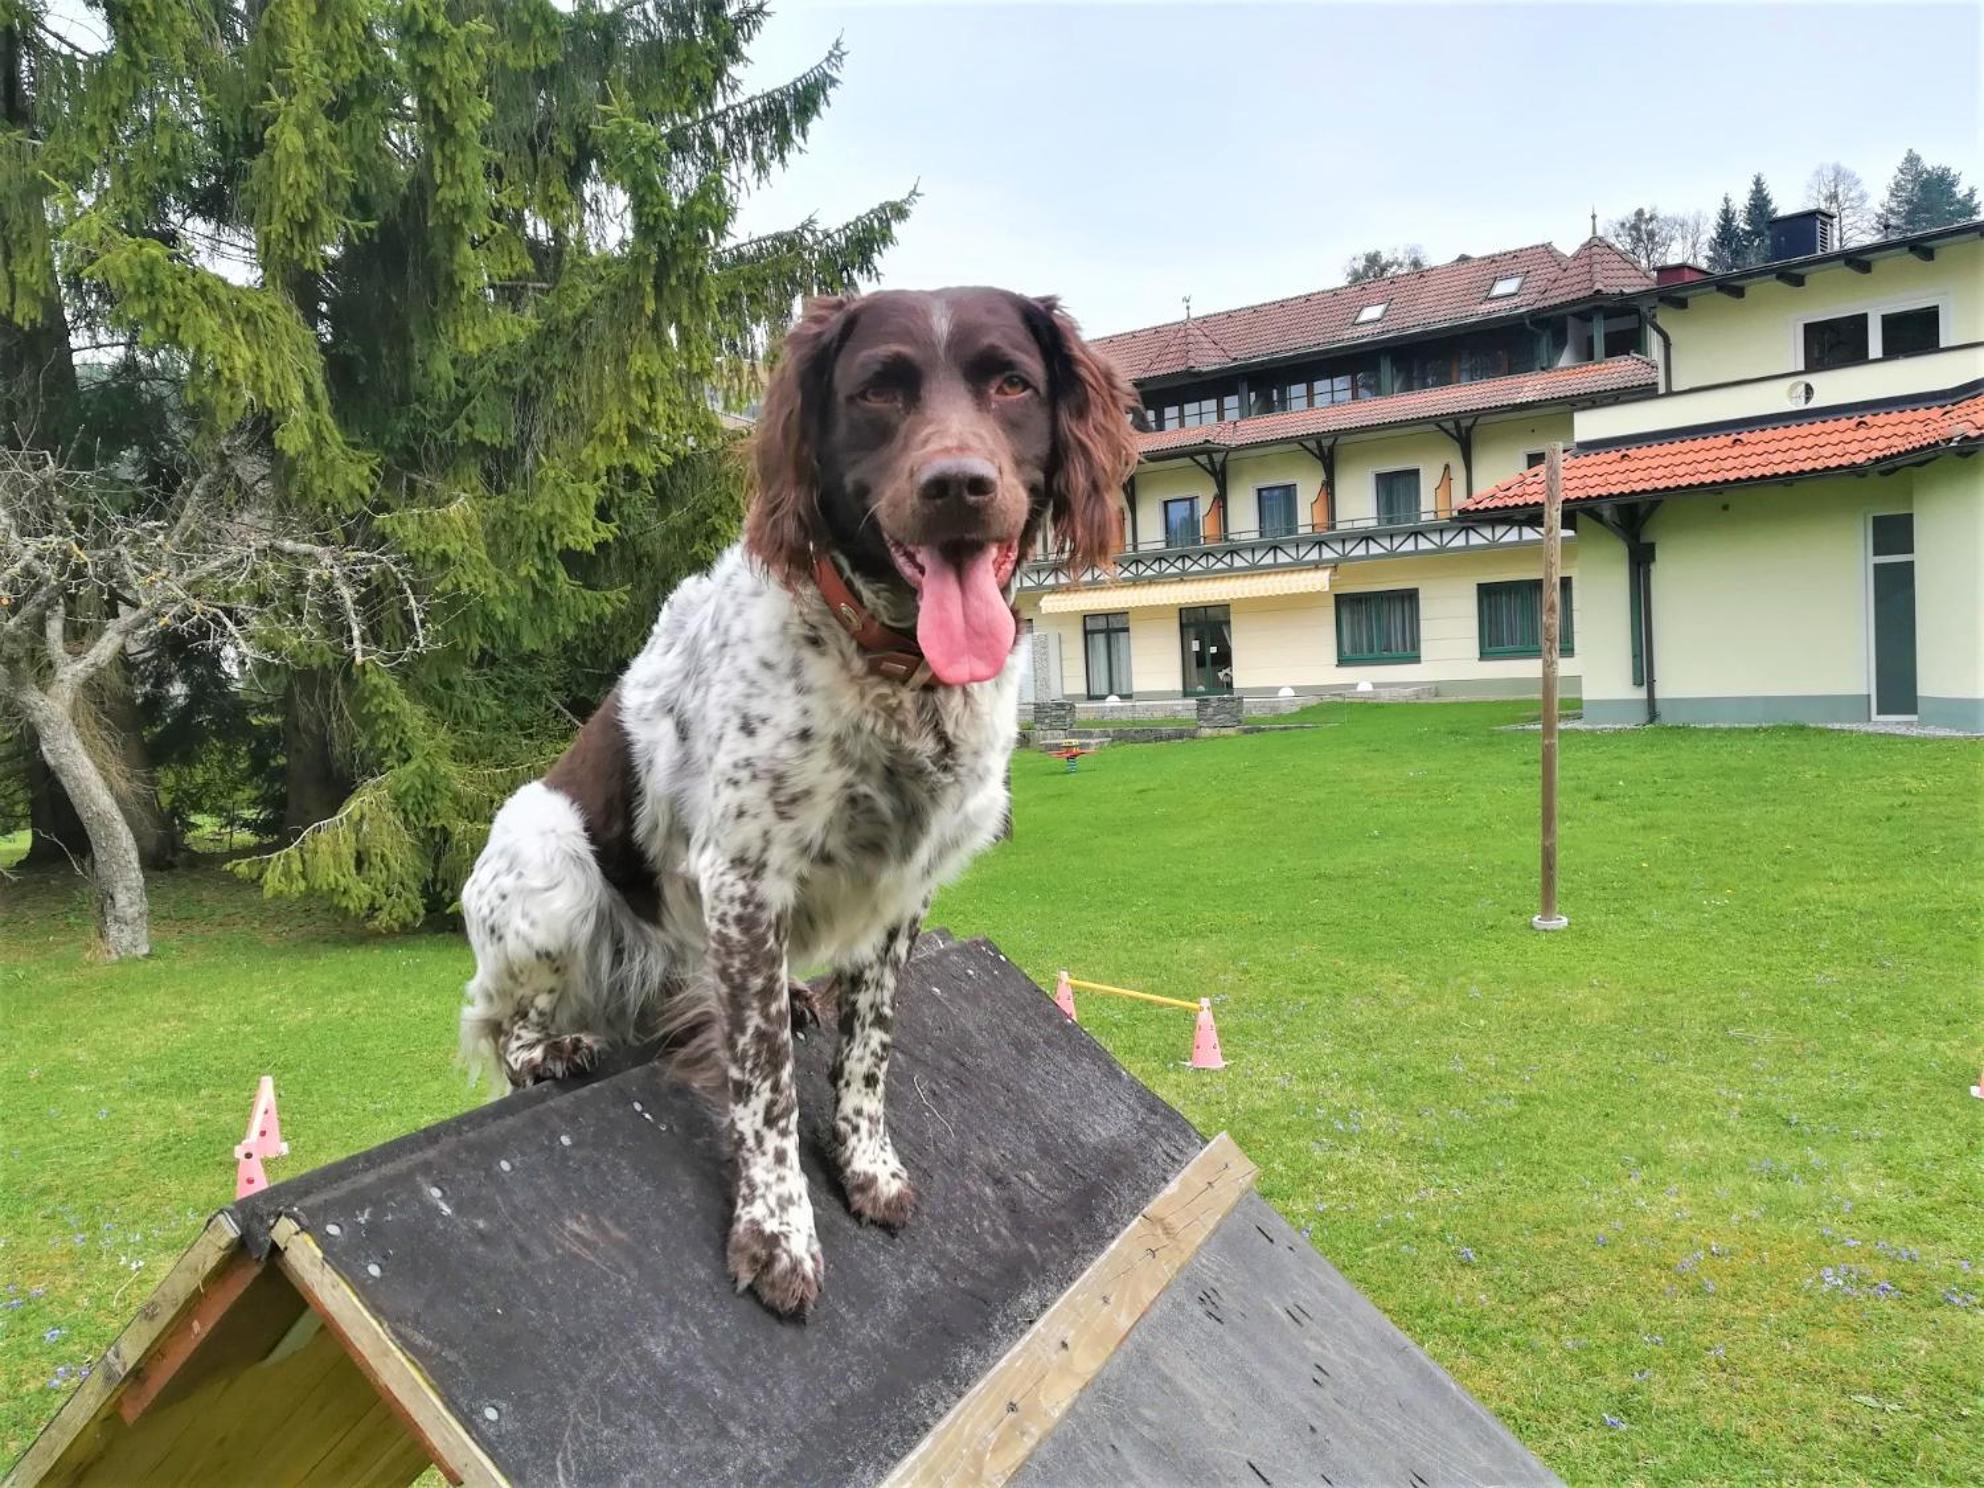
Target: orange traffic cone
1064, 997
1205, 1040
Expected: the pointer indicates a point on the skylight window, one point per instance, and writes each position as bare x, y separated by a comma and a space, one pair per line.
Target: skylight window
1502, 288
1371, 313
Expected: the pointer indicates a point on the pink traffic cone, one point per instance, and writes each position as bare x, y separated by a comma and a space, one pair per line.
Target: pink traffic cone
264, 1136
249, 1178
1205, 1040
1064, 997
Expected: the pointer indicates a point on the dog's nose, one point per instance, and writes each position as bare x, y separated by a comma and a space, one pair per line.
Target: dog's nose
964, 478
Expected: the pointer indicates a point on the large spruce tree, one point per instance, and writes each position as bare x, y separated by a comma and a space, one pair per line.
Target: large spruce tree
1758, 209
467, 270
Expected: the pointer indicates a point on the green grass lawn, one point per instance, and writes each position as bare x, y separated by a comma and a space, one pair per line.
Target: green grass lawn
1689, 1192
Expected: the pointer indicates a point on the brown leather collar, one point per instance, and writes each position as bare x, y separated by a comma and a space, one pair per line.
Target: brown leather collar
889, 654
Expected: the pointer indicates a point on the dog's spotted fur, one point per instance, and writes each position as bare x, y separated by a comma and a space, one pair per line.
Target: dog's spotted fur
750, 799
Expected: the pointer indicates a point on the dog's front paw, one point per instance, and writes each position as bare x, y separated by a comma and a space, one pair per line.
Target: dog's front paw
878, 1189
782, 1264
557, 1058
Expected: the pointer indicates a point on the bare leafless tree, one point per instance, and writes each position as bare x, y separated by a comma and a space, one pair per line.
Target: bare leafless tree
1645, 235
1690, 236
1839, 190
89, 566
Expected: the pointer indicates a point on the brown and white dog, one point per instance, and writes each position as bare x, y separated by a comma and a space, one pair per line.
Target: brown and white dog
815, 737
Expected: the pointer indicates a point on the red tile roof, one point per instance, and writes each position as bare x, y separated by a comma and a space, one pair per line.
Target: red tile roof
1776, 452
1448, 295
1557, 384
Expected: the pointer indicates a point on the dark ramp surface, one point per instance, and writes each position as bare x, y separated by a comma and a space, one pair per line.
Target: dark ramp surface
554, 1261
1260, 1365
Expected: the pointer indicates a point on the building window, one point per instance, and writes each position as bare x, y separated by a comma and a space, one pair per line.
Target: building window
1107, 638
1181, 522
1511, 619
1507, 285
1907, 331
1839, 342
1277, 505
1203, 411
1845, 340
1371, 314
1331, 390
1377, 627
1398, 497
1533, 458
1229, 407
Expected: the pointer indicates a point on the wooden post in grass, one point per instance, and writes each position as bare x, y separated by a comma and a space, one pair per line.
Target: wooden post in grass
1553, 564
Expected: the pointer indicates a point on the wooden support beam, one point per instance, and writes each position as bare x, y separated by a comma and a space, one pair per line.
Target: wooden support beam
988, 1435
1922, 251
394, 1375
1547, 917
1860, 265
1734, 291
1785, 276
1674, 302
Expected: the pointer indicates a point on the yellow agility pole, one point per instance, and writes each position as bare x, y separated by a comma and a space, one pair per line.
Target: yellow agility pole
1177, 1002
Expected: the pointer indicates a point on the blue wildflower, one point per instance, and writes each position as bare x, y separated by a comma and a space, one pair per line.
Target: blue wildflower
1615, 1423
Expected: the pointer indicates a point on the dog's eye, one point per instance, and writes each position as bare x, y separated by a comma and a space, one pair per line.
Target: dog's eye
1012, 385
880, 395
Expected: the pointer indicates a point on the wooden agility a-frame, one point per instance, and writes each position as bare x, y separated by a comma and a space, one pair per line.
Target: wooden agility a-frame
534, 1293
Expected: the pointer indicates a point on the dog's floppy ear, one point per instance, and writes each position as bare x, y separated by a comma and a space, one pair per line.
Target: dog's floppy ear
1095, 449
783, 522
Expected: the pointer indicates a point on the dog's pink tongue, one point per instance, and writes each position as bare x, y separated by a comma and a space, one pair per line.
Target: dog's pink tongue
963, 623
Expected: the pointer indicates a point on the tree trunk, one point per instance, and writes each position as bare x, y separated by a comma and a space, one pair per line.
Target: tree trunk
158, 839
123, 915
57, 837
315, 785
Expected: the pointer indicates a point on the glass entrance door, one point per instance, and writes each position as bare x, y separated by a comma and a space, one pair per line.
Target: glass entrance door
1205, 638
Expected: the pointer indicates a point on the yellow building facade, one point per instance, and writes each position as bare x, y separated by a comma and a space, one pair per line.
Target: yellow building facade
1793, 530
1294, 523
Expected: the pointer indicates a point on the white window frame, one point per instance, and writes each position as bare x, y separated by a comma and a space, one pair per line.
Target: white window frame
1514, 282
1365, 315
1542, 455
1873, 310
1873, 679
1420, 470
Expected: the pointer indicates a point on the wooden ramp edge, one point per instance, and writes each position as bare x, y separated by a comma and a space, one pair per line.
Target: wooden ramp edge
987, 1435
242, 1370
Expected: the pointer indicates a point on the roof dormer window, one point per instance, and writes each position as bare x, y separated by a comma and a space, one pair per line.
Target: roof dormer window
1503, 287
1372, 314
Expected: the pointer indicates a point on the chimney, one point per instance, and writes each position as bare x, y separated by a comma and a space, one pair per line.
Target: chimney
1678, 273
1802, 234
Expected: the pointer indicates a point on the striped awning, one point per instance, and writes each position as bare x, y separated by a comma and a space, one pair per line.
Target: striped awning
1212, 589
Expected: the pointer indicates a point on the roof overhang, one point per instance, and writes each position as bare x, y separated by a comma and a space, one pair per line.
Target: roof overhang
1791, 270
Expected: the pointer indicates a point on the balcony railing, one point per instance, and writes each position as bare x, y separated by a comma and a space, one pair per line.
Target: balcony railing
1304, 546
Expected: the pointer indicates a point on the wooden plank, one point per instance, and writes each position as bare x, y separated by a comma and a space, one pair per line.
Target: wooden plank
377, 1451
75, 1434
167, 1364
1262, 1364
395, 1376
988, 1435
177, 1442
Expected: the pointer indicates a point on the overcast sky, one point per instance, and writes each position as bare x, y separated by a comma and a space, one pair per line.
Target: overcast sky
1126, 155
